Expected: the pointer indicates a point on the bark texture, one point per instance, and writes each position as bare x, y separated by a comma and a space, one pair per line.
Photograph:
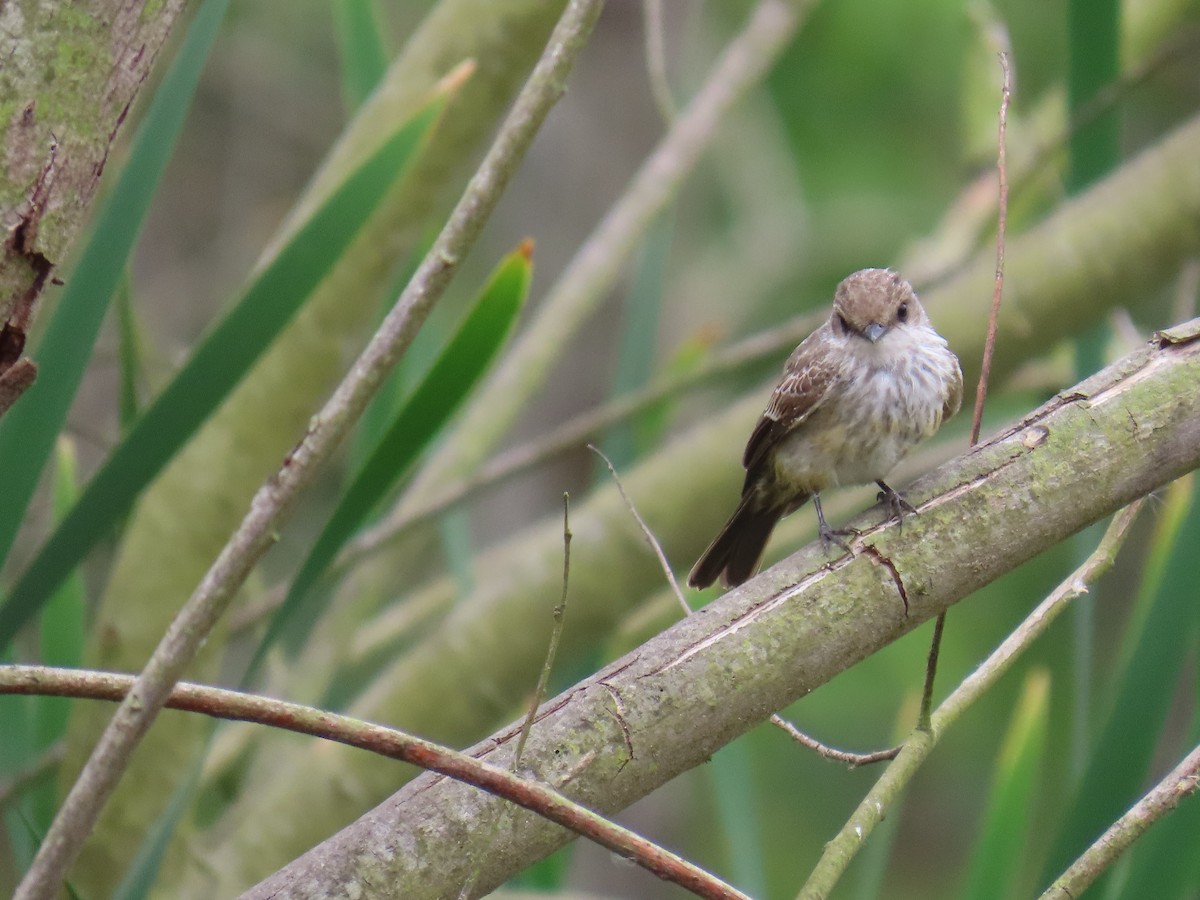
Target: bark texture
69, 73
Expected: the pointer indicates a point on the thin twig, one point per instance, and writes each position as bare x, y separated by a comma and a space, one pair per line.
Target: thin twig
851, 759
238, 706
273, 503
15, 381
646, 532
875, 805
1183, 780
989, 349
539, 693
989, 345
931, 664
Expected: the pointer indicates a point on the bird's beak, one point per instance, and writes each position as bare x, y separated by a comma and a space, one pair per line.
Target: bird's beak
874, 332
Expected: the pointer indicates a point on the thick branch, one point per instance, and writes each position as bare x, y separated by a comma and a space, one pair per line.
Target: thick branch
69, 76
689, 691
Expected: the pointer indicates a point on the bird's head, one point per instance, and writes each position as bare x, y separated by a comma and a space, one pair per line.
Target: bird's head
877, 307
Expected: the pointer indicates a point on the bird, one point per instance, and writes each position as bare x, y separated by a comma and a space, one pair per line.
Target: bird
856, 396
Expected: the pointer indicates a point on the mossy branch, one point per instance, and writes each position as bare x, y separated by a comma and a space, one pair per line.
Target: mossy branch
689, 691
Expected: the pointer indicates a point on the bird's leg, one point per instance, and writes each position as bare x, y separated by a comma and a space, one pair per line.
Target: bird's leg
828, 535
896, 505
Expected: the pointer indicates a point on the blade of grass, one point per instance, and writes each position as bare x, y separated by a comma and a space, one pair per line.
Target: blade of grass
1124, 750
361, 47
63, 625
16, 755
27, 433
1164, 863
129, 356
483, 332
999, 856
732, 775
225, 354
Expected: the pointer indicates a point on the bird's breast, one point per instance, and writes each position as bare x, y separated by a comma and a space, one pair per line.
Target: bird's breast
869, 423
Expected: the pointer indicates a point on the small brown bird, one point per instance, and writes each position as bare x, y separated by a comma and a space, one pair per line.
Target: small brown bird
856, 395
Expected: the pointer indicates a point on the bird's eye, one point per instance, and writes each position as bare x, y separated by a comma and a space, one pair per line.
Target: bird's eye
902, 312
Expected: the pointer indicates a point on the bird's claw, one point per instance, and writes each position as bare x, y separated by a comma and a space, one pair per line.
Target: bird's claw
834, 536
896, 505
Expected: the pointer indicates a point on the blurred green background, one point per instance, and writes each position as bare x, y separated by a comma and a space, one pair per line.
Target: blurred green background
871, 143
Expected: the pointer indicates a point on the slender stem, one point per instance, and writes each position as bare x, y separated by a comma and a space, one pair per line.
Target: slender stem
1184, 779
272, 505
989, 348
539, 693
989, 344
870, 812
238, 706
853, 760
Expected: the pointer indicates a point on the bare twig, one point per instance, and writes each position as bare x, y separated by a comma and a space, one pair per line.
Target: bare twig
16, 380
989, 345
853, 760
874, 806
560, 611
646, 532
1183, 780
272, 505
225, 704
539, 692
989, 349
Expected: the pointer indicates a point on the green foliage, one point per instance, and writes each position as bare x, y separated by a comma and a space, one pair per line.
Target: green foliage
27, 433
274, 296
1119, 766
480, 336
362, 46
865, 141
1001, 851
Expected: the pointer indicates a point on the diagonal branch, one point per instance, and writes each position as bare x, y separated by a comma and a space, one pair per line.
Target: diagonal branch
684, 694
882, 797
1183, 780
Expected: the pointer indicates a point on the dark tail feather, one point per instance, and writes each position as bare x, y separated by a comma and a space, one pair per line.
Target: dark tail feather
735, 553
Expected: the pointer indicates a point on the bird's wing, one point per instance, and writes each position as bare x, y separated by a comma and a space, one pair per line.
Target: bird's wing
955, 396
809, 375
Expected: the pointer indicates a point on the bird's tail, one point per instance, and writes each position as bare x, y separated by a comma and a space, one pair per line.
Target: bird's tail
735, 553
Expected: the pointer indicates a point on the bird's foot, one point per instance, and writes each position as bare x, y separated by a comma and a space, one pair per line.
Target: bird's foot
895, 504
834, 536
